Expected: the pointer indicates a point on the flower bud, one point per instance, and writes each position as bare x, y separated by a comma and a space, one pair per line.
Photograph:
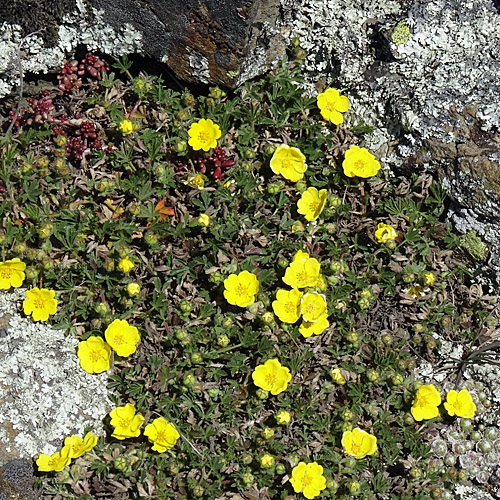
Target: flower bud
334, 202
301, 186
196, 357
186, 306
283, 417
415, 472
267, 433
268, 318
353, 487
198, 490
332, 485
373, 376
262, 394
247, 478
120, 463
283, 262
189, 379
247, 458
280, 469
133, 289
102, 308
216, 278
223, 340
151, 239
351, 337
20, 248
266, 461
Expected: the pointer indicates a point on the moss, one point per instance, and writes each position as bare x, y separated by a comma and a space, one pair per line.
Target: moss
401, 33
476, 248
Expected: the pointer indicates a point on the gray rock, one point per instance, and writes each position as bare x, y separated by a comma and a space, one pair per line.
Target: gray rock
426, 75
221, 42
44, 394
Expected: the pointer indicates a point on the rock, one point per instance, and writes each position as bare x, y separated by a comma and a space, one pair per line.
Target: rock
223, 42
426, 75
44, 394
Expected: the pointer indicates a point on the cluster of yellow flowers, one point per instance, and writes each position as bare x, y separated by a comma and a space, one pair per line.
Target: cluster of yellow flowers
303, 272
74, 447
427, 400
40, 303
95, 354
127, 423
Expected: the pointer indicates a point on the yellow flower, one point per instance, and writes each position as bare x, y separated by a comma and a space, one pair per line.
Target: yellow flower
122, 337
332, 105
11, 274
460, 404
308, 479
429, 278
426, 402
359, 161
359, 443
289, 162
385, 233
283, 417
162, 433
55, 462
204, 220
308, 328
196, 180
311, 203
204, 135
94, 355
240, 289
78, 445
337, 376
302, 272
287, 305
126, 422
126, 126
271, 376
125, 264
40, 303
133, 289
313, 307
266, 461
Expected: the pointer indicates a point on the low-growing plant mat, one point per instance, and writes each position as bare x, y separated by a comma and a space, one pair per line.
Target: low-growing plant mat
107, 203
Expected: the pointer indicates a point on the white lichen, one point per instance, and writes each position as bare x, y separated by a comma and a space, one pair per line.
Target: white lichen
75, 29
44, 394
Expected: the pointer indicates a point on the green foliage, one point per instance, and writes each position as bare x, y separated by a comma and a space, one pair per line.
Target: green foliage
197, 353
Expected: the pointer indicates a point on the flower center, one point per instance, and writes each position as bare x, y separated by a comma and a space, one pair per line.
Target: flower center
271, 378
422, 401
95, 356
204, 136
302, 276
242, 290
118, 340
359, 165
285, 163
123, 423
310, 308
290, 307
39, 303
356, 448
5, 272
314, 206
160, 436
306, 480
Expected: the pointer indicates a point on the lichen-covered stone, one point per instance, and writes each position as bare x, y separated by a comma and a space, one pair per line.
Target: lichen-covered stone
44, 394
434, 93
45, 51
